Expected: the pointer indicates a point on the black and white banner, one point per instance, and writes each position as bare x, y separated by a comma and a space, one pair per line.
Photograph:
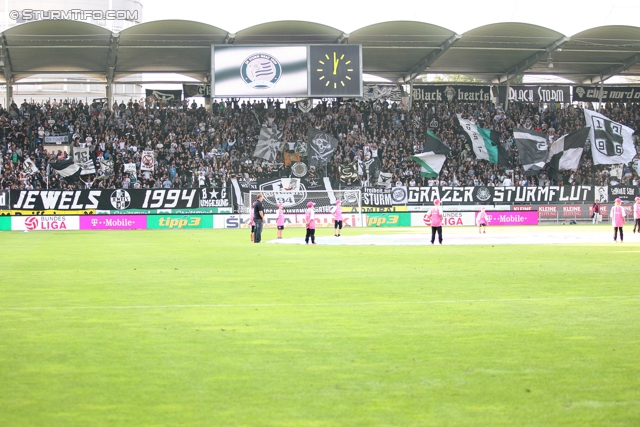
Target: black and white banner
384, 197
609, 93
213, 197
535, 93
164, 95
191, 90
120, 199
449, 93
626, 193
82, 158
4, 199
501, 195
376, 92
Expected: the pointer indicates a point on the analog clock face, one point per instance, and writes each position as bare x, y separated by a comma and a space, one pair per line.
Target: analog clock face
335, 70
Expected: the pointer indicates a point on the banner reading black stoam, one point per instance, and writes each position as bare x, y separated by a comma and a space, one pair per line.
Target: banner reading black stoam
609, 93
384, 197
535, 93
501, 195
449, 93
159, 198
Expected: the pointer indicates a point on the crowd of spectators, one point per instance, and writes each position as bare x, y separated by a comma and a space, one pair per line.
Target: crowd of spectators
198, 147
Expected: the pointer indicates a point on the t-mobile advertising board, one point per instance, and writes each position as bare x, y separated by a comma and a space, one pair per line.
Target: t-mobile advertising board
113, 222
512, 218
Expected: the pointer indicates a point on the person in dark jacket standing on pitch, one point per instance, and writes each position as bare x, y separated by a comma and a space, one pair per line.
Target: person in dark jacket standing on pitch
258, 218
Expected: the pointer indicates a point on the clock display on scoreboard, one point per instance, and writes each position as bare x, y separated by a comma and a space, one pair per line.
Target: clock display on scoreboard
335, 70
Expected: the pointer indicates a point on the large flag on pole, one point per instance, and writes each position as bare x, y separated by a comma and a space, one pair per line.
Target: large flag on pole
433, 157
321, 147
67, 168
566, 151
269, 144
532, 149
485, 142
611, 142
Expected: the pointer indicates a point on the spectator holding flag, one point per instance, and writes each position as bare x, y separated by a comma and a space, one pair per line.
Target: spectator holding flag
636, 215
435, 215
617, 219
280, 220
310, 219
481, 221
336, 213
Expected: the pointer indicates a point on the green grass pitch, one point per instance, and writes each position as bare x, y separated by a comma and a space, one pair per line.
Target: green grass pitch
203, 328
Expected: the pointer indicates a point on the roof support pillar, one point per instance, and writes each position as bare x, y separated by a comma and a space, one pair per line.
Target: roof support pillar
506, 98
600, 94
8, 71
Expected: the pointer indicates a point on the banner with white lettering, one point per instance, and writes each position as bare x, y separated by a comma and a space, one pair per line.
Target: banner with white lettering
118, 199
384, 197
609, 93
536, 93
626, 193
4, 199
449, 93
56, 140
500, 195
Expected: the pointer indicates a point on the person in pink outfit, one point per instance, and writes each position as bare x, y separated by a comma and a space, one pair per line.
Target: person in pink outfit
252, 223
482, 220
310, 220
435, 215
337, 218
617, 219
280, 220
636, 215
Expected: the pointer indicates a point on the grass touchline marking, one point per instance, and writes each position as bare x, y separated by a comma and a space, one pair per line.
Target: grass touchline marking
319, 304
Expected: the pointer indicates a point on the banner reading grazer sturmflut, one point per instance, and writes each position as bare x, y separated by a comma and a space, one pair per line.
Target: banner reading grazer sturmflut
501, 195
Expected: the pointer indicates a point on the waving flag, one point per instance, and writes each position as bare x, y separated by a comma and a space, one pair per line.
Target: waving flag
532, 149
565, 152
435, 153
269, 143
485, 142
611, 142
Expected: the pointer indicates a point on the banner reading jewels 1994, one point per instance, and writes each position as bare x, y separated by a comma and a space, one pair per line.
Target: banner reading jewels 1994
501, 195
106, 200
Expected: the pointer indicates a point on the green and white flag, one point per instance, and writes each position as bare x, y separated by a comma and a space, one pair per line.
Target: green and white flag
435, 153
485, 142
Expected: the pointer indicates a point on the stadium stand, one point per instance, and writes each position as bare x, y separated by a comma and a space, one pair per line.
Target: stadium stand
195, 147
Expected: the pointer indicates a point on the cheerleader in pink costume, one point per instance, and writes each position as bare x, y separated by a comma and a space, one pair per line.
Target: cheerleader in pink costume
636, 215
435, 215
482, 221
617, 219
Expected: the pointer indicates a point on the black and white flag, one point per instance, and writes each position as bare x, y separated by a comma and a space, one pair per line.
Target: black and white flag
29, 167
67, 168
532, 149
269, 144
611, 142
305, 105
82, 158
384, 179
320, 147
566, 151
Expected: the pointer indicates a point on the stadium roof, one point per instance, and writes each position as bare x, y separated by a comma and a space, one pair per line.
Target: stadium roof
398, 50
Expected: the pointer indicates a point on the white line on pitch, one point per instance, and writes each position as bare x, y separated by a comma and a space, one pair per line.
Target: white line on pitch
319, 304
